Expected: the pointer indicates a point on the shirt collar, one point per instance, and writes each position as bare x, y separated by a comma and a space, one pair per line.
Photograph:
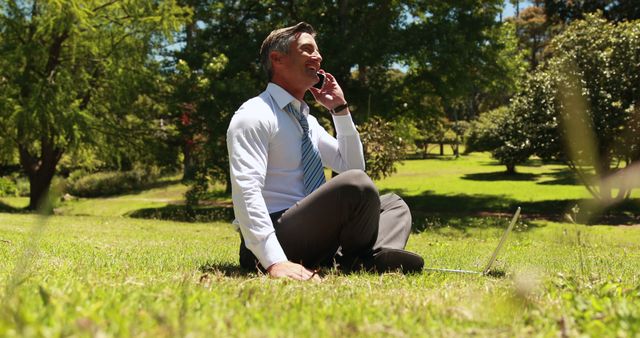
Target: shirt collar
283, 98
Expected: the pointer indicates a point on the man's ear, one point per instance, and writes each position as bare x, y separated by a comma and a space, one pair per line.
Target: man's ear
276, 57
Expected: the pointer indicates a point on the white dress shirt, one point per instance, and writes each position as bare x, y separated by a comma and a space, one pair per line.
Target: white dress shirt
264, 143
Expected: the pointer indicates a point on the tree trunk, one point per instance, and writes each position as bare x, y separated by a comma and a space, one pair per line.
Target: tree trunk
39, 185
40, 171
511, 168
603, 171
188, 167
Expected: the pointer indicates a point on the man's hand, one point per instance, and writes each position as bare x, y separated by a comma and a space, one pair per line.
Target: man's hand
330, 95
292, 270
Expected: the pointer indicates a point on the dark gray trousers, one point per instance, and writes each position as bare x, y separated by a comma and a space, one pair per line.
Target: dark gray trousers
344, 215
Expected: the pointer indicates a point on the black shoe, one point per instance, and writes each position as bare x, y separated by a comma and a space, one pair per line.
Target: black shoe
391, 260
385, 260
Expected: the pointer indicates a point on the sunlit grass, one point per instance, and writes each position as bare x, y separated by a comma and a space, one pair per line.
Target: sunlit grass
478, 174
128, 277
124, 204
108, 275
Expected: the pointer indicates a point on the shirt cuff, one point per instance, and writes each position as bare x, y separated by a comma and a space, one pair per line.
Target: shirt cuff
344, 125
271, 252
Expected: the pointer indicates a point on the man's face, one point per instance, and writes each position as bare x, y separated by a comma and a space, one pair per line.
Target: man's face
303, 61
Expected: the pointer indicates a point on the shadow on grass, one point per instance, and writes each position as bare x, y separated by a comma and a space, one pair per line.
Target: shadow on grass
559, 177
536, 163
562, 177
6, 208
501, 176
433, 210
182, 213
226, 270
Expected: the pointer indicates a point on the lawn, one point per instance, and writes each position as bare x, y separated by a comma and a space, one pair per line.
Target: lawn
86, 272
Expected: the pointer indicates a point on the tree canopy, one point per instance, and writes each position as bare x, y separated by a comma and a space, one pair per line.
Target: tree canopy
75, 72
581, 106
83, 79
420, 59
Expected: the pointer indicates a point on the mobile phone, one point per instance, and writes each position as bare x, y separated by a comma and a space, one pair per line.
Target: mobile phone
320, 83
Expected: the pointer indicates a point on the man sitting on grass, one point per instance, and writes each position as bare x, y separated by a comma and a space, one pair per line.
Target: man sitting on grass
291, 220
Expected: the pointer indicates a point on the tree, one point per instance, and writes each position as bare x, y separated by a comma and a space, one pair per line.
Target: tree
363, 43
534, 33
382, 147
75, 69
456, 54
563, 11
583, 104
516, 5
500, 132
235, 29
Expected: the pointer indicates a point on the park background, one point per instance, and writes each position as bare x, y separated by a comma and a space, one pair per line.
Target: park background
114, 197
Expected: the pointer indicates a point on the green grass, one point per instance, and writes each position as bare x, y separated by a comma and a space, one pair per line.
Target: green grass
108, 275
124, 204
477, 185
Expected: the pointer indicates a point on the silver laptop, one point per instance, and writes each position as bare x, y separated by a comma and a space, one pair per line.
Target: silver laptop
494, 256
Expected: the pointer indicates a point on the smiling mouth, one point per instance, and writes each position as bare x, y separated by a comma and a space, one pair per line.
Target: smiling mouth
313, 68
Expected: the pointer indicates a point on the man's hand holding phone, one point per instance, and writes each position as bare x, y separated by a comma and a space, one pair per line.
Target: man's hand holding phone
329, 94
320, 82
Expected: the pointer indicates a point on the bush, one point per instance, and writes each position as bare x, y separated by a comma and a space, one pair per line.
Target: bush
484, 132
500, 132
7, 187
110, 183
382, 147
22, 185
581, 105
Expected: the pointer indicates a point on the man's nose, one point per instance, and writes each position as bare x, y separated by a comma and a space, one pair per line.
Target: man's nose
316, 55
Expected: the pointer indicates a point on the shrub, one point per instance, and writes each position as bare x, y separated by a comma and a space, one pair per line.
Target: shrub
581, 106
483, 135
382, 147
500, 132
22, 186
7, 187
110, 183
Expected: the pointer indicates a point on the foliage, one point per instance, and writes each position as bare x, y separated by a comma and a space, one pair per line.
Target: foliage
111, 183
366, 71
22, 185
534, 32
7, 187
500, 132
458, 48
582, 107
407, 131
382, 147
483, 134
78, 73
568, 11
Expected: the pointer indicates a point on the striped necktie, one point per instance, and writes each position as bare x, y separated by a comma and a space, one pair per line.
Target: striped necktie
313, 171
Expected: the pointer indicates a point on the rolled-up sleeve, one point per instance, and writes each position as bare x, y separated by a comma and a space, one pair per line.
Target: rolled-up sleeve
248, 145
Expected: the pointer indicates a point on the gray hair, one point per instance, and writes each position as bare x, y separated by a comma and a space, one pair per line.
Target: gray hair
280, 40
